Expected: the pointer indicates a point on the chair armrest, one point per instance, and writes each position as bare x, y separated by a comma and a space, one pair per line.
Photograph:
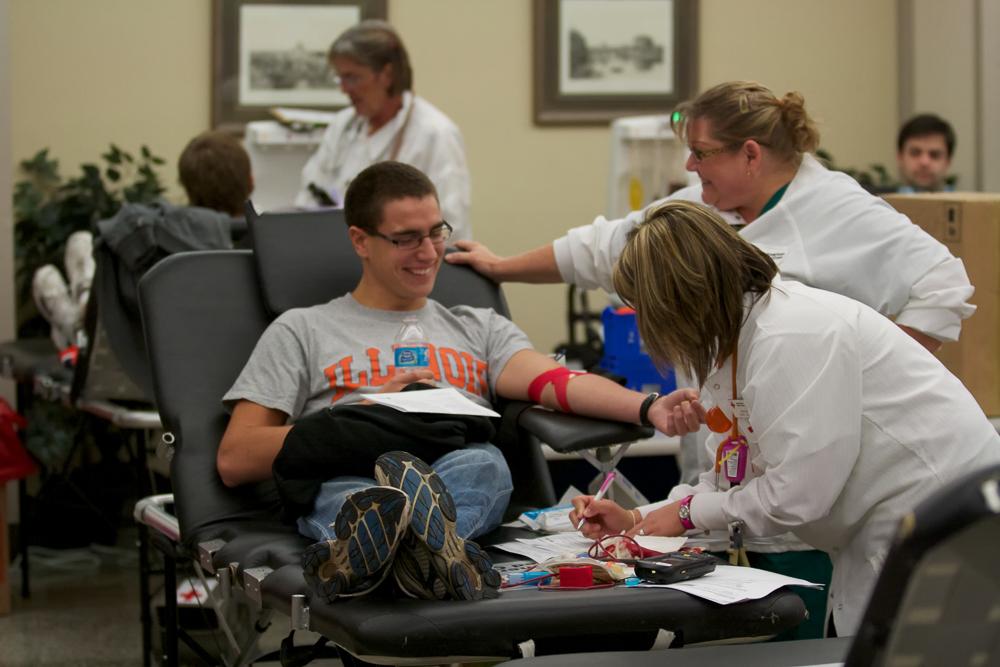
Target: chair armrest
150, 511
571, 433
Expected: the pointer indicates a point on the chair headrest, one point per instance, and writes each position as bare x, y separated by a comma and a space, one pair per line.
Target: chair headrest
305, 258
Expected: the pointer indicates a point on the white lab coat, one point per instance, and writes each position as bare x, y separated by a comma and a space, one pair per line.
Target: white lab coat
826, 232
851, 424
431, 142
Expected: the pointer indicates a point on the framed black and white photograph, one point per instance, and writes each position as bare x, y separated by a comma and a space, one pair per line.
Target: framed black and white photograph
596, 60
270, 53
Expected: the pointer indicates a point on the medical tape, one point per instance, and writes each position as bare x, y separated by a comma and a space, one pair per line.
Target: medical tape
558, 378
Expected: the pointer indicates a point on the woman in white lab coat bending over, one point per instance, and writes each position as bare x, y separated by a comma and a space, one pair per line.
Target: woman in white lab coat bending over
385, 121
835, 422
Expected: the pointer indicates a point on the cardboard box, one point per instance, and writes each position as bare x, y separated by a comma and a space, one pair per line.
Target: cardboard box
968, 223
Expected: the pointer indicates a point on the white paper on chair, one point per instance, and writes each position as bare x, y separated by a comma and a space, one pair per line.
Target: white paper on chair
730, 584
539, 549
434, 401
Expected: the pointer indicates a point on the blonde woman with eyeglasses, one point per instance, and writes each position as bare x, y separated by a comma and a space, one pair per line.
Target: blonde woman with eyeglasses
844, 422
752, 152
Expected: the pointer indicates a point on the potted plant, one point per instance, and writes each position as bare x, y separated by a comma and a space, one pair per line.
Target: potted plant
47, 209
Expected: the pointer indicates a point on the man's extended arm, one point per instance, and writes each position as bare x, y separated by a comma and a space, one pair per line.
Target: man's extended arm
594, 396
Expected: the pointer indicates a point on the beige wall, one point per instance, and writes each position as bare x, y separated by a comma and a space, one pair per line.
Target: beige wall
86, 73
943, 78
6, 221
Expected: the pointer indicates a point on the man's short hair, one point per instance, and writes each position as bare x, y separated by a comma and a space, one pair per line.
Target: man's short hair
214, 169
923, 125
378, 185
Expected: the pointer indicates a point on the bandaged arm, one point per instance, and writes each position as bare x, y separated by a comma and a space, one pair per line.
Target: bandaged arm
587, 394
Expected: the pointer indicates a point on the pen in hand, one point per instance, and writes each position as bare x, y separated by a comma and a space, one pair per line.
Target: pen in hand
605, 485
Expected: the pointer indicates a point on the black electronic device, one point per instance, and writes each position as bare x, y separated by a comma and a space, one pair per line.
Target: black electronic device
675, 566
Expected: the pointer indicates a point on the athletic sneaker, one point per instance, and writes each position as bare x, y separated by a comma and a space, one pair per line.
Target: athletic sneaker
414, 572
80, 266
464, 569
54, 303
369, 529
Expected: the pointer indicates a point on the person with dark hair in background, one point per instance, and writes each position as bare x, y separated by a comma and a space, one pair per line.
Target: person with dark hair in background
925, 146
214, 169
845, 424
386, 121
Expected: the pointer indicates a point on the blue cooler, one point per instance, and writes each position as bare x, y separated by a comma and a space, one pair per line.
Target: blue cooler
625, 354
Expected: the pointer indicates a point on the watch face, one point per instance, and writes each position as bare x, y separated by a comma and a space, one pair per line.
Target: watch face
684, 511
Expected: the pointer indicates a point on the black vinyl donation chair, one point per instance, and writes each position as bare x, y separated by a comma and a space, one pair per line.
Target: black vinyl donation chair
203, 313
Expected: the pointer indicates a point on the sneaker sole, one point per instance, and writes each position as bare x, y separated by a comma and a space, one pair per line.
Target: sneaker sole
464, 567
369, 529
415, 573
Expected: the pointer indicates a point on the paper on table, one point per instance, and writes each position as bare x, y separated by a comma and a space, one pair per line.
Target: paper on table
662, 545
548, 546
436, 401
729, 584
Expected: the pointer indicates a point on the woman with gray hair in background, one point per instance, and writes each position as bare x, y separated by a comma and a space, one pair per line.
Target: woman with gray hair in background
385, 121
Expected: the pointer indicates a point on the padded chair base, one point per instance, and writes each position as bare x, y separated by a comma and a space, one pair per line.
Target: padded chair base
418, 632
776, 654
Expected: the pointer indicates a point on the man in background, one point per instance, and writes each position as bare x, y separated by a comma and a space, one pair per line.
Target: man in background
925, 146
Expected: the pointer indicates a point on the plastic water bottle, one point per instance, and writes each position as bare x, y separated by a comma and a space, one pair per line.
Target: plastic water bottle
411, 351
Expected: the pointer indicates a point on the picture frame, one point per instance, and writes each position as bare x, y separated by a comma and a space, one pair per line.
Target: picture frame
268, 53
592, 64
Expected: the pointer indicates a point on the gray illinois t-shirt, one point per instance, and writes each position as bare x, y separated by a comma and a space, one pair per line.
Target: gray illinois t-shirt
334, 353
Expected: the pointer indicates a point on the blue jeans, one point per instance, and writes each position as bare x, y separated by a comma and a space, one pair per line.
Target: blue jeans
477, 478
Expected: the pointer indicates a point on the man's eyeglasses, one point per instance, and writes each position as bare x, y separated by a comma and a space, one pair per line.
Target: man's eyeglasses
438, 235
700, 155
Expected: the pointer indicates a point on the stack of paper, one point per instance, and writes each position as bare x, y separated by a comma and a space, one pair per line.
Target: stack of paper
729, 584
433, 401
572, 544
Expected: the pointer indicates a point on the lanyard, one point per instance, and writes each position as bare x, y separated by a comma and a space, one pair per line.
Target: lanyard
731, 456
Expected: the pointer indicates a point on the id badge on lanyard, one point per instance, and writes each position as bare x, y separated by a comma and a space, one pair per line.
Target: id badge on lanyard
731, 456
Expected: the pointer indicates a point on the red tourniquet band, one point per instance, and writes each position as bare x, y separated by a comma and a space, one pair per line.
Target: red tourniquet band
559, 377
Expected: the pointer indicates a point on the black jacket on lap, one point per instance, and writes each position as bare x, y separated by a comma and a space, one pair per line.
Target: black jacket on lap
345, 441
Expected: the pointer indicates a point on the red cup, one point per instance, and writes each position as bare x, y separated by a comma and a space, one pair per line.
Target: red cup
576, 576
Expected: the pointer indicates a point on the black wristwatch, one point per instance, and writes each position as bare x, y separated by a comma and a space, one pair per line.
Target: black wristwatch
644, 408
